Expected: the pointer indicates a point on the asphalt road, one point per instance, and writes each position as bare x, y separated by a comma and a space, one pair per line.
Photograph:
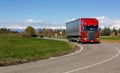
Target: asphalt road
91, 58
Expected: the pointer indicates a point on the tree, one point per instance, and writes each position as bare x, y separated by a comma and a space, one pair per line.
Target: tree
106, 31
5, 30
119, 30
30, 30
115, 31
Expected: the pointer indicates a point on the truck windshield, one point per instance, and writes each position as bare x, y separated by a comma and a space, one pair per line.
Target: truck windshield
91, 28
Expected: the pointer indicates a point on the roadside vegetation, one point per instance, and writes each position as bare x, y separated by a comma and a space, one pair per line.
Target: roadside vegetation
15, 49
115, 39
110, 35
109, 38
110, 32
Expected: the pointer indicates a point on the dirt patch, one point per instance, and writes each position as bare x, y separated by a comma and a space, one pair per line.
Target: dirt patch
113, 41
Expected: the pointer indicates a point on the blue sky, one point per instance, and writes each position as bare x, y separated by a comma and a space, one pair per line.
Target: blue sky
15, 12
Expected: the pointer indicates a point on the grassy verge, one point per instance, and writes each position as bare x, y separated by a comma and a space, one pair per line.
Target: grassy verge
15, 50
114, 39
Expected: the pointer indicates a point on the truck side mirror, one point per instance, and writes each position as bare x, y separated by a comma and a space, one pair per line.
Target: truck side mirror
99, 29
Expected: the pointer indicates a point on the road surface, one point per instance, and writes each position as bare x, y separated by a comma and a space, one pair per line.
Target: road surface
91, 58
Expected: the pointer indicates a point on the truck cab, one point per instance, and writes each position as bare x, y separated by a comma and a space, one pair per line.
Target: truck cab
89, 30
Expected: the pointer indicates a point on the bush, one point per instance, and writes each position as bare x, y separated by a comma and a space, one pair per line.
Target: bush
26, 35
34, 35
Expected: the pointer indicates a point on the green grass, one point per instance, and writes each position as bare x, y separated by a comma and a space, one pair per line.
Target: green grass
109, 38
15, 50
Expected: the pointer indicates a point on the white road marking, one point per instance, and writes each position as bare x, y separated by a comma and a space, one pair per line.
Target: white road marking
81, 48
101, 62
76, 51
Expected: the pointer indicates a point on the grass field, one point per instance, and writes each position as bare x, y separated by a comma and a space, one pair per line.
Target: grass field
15, 50
114, 39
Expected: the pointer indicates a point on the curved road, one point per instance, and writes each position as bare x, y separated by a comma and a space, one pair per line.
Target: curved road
91, 58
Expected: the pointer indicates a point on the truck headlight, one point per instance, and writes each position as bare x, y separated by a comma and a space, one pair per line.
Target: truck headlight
85, 38
97, 38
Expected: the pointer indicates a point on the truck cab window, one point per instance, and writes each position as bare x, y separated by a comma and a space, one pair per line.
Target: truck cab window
91, 28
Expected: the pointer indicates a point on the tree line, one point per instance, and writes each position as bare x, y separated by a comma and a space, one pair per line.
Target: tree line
30, 31
59, 32
5, 30
107, 32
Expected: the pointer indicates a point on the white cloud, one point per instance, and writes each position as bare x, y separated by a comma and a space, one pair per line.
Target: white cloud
16, 27
108, 22
70, 20
103, 21
117, 26
57, 27
32, 21
102, 17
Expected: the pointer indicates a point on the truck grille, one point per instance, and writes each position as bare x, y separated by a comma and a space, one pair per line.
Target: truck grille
91, 35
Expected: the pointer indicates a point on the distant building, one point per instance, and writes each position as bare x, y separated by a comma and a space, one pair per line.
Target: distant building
47, 31
50, 32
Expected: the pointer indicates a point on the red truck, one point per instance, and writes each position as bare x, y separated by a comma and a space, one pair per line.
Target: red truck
83, 30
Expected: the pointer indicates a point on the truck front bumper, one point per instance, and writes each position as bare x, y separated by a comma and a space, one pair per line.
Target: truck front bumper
88, 41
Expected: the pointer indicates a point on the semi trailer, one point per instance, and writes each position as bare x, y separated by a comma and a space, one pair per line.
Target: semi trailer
83, 30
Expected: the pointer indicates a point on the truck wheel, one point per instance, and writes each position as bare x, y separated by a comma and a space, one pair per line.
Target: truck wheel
82, 42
